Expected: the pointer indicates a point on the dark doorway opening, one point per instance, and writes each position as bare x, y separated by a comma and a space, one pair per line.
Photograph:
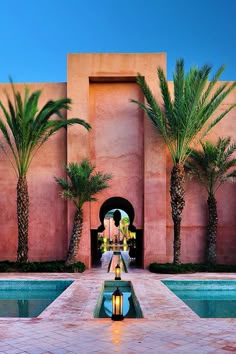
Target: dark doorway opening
117, 208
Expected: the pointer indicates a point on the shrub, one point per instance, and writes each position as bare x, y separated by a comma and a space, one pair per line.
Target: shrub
41, 267
170, 268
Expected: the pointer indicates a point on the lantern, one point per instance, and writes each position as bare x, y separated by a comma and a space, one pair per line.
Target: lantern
117, 272
117, 305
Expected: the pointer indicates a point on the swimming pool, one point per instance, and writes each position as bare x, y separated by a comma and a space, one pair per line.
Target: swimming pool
207, 298
28, 298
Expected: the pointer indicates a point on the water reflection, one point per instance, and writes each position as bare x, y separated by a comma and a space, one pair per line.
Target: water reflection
128, 305
23, 308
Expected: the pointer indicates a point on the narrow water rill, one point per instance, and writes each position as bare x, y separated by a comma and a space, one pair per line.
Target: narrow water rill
117, 244
131, 307
117, 257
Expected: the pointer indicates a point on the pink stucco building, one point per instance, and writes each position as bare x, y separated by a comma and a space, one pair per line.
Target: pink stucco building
122, 142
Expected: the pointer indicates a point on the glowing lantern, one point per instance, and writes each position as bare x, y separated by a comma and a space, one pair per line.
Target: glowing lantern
117, 305
117, 272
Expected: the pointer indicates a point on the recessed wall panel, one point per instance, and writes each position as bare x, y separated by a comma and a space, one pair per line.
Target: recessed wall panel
116, 143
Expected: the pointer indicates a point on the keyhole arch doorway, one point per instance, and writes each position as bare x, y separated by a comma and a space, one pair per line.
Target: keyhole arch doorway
117, 203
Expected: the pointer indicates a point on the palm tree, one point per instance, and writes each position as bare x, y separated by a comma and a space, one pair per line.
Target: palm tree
25, 129
183, 121
124, 228
81, 186
213, 166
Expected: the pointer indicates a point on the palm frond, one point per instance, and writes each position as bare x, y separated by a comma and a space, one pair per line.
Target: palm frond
186, 118
212, 84
83, 182
27, 128
231, 176
154, 112
63, 183
214, 164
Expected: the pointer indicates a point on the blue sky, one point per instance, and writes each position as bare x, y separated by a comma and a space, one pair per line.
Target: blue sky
36, 36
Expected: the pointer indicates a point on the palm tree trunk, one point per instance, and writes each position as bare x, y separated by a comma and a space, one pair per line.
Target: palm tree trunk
23, 219
177, 205
75, 237
211, 229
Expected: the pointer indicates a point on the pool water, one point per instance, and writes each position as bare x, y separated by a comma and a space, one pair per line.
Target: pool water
28, 298
131, 307
207, 298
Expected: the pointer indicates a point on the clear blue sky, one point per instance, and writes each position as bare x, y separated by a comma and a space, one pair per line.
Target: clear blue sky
37, 35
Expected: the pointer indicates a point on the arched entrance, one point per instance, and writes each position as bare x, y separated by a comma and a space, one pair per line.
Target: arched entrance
115, 204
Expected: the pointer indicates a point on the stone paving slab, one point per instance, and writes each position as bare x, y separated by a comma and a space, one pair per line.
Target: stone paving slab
68, 326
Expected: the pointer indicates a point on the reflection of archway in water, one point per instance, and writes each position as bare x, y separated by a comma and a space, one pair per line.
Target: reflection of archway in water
123, 204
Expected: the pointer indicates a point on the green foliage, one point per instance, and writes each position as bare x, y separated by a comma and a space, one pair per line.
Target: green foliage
83, 183
26, 128
183, 119
125, 220
42, 267
170, 268
188, 112
214, 164
124, 229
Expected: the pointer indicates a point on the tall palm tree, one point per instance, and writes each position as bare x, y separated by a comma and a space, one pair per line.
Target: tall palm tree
183, 120
81, 186
25, 129
213, 166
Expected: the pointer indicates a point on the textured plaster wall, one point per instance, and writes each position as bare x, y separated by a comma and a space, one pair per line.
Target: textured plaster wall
116, 144
122, 142
47, 220
101, 86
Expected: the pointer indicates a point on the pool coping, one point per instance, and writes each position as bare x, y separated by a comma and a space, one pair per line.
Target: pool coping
67, 326
79, 300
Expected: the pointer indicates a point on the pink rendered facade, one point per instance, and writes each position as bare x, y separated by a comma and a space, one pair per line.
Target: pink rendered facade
122, 142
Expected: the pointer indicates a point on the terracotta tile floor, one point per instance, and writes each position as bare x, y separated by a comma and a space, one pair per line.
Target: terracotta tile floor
68, 326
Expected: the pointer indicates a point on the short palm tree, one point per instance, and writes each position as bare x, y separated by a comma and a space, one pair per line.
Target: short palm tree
80, 187
213, 166
25, 129
124, 226
183, 120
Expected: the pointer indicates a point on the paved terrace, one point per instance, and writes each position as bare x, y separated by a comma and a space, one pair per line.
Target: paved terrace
68, 326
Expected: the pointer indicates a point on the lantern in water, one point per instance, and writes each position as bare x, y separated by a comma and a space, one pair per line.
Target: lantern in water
117, 305
117, 272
